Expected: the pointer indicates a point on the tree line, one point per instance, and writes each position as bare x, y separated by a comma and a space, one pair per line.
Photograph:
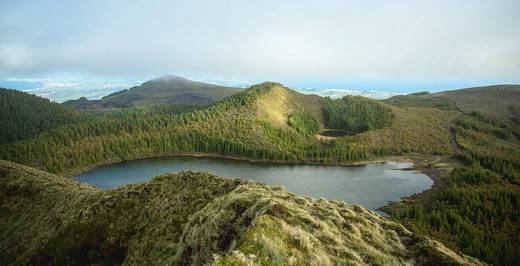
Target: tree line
224, 128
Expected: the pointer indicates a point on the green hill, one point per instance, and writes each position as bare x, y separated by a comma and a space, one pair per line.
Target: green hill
477, 208
193, 219
264, 122
163, 90
423, 99
499, 101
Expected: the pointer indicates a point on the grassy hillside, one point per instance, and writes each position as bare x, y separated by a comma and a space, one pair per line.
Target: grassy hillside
163, 90
476, 211
192, 219
279, 103
254, 124
498, 102
25, 115
420, 130
422, 99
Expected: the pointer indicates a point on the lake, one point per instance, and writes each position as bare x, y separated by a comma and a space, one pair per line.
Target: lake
371, 186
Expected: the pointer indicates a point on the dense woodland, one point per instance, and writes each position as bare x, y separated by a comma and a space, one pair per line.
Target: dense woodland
477, 213
304, 123
356, 114
24, 115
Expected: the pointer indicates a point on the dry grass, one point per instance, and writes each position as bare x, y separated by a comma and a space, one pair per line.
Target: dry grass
421, 130
276, 106
193, 219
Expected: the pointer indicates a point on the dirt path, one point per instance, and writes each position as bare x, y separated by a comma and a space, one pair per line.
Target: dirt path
453, 138
450, 127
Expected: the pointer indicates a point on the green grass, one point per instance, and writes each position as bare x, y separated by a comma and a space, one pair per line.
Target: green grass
499, 102
192, 219
423, 100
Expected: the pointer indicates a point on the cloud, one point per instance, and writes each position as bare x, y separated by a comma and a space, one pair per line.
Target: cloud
338, 93
263, 40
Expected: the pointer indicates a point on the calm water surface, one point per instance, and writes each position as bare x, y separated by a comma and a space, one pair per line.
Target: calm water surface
371, 186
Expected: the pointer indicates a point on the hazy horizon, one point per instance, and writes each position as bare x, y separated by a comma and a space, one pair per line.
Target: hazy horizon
63, 89
65, 49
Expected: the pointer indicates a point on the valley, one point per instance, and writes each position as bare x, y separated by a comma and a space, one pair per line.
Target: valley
472, 157
260, 133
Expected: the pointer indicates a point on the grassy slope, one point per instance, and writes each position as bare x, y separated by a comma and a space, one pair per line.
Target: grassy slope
421, 130
193, 218
476, 209
412, 129
276, 106
163, 90
422, 99
485, 122
500, 101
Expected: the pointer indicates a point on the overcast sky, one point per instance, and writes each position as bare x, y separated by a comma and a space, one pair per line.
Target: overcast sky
386, 44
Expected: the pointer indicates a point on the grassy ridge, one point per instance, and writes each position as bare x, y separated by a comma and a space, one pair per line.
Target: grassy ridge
423, 99
498, 102
191, 219
477, 209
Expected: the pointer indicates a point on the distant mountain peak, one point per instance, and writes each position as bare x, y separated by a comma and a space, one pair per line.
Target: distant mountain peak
168, 78
168, 89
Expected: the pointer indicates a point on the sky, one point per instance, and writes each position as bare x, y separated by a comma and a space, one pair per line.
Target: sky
387, 47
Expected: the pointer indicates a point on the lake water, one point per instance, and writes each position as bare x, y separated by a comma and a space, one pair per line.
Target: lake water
371, 186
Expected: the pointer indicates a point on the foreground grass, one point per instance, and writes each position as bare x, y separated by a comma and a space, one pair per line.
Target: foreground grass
193, 219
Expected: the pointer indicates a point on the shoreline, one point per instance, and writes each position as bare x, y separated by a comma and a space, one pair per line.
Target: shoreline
387, 159
421, 163
428, 167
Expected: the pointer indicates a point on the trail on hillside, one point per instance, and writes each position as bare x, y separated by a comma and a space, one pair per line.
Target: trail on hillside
452, 133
